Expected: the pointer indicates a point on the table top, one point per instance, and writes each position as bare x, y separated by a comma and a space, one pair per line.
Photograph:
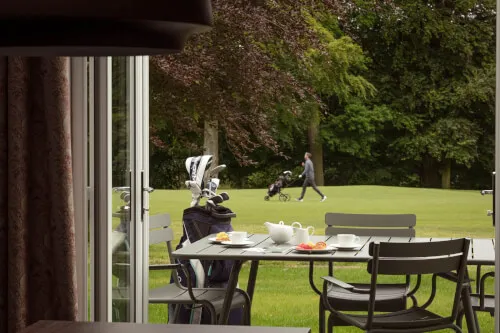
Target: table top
49, 326
482, 250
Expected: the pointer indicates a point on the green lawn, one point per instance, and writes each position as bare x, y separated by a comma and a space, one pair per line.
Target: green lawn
283, 296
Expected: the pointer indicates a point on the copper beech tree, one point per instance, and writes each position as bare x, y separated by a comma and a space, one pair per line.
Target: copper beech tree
259, 63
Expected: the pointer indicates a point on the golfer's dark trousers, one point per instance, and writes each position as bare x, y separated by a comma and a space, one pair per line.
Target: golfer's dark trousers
311, 182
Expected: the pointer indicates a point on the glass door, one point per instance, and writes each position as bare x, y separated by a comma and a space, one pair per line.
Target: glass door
129, 188
120, 188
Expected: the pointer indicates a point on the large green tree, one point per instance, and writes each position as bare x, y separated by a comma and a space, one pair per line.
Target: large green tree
433, 67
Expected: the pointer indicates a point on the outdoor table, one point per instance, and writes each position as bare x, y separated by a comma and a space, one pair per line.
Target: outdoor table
50, 326
481, 253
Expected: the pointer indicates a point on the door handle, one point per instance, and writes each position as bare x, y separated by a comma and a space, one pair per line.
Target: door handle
148, 189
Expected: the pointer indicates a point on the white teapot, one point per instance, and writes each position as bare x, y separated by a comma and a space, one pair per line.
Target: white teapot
279, 232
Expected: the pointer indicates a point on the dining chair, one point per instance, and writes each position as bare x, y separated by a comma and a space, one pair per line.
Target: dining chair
400, 259
211, 299
391, 297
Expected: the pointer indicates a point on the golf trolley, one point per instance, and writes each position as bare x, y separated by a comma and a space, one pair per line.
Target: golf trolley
283, 180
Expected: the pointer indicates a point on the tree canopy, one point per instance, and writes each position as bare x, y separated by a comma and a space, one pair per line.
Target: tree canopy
391, 92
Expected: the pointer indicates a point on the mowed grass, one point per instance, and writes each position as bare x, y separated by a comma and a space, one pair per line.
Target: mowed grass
283, 296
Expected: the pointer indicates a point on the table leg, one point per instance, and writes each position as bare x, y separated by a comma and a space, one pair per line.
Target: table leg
252, 277
231, 287
468, 312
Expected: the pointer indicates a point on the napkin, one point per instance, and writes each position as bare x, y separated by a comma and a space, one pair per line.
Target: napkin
255, 249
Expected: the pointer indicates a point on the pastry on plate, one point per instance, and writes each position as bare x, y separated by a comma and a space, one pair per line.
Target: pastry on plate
222, 237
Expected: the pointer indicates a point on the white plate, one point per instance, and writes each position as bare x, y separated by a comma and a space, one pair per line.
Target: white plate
325, 250
242, 244
348, 247
214, 240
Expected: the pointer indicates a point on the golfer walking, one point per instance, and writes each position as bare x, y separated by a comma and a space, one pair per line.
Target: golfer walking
309, 178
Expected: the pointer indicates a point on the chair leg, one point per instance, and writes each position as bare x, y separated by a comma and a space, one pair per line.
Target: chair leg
476, 322
460, 318
321, 316
330, 323
457, 329
247, 315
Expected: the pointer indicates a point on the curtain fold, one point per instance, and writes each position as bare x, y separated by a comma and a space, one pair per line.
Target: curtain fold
37, 240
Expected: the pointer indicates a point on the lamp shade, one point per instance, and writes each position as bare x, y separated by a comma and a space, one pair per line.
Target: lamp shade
100, 27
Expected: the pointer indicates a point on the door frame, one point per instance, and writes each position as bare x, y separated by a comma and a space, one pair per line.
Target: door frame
497, 178
91, 106
79, 130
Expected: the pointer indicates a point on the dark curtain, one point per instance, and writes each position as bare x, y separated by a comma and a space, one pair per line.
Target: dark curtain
37, 241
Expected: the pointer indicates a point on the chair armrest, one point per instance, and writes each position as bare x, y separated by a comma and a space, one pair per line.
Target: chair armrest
343, 285
453, 277
186, 272
163, 267
311, 278
482, 287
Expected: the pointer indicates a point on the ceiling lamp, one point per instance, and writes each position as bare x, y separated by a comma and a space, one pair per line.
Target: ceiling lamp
100, 27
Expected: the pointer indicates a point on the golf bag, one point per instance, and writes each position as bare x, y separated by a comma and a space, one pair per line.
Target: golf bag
200, 222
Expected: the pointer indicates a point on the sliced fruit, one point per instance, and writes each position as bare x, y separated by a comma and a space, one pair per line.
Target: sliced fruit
307, 246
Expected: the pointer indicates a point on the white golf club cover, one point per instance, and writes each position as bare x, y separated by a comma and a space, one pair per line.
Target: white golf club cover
195, 192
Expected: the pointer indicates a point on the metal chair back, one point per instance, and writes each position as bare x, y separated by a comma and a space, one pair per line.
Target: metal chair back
393, 225
160, 231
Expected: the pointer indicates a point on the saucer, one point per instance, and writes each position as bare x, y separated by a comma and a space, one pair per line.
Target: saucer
347, 247
242, 244
214, 240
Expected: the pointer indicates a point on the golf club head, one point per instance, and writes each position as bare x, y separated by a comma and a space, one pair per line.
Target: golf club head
210, 205
206, 193
224, 196
216, 199
216, 170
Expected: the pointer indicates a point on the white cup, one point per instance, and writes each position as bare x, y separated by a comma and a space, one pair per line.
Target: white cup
348, 239
238, 237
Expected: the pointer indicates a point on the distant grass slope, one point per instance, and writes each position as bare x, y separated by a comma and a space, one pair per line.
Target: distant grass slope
448, 213
283, 296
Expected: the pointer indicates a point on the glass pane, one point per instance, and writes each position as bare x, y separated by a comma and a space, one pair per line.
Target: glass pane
121, 238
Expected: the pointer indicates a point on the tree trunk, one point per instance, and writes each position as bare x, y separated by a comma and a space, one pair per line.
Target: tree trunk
430, 173
446, 174
316, 149
211, 141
